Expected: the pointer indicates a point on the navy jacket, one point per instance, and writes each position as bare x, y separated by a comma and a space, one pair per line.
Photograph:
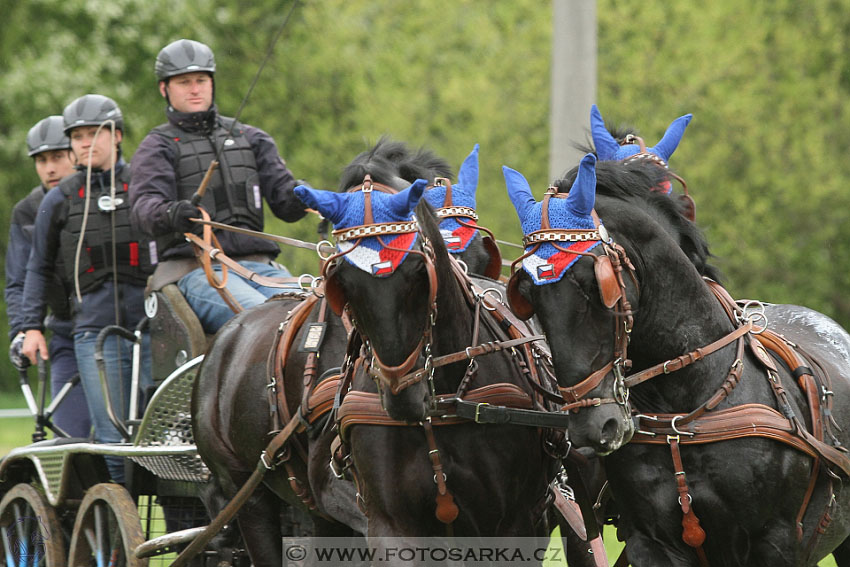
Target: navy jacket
17, 255
154, 188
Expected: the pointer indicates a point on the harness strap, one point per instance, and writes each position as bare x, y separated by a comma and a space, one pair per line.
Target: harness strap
242, 495
680, 362
205, 260
692, 532
365, 408
207, 252
736, 422
447, 510
483, 412
484, 348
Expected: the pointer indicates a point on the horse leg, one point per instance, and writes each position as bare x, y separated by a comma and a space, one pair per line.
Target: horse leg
259, 523
215, 495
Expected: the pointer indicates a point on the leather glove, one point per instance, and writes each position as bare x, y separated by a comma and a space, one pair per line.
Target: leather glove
179, 213
20, 361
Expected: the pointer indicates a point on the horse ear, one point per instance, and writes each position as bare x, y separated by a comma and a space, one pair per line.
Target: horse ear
403, 202
583, 192
467, 176
330, 204
665, 148
519, 191
605, 144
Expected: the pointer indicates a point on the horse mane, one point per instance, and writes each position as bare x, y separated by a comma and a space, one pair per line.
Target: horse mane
632, 181
389, 160
618, 132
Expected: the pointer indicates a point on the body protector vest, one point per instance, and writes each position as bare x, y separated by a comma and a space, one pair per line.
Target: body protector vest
56, 293
233, 195
132, 252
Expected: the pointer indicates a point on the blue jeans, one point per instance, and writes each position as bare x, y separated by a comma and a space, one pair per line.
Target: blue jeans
72, 415
208, 305
118, 357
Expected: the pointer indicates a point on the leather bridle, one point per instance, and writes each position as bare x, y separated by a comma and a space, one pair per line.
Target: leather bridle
608, 268
401, 376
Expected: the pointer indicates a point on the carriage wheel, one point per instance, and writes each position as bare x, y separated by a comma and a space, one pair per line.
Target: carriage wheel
107, 530
30, 529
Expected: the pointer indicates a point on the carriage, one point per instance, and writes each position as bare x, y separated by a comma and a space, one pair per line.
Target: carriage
58, 506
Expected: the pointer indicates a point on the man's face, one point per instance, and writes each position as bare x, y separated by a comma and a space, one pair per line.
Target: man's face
189, 92
52, 166
83, 142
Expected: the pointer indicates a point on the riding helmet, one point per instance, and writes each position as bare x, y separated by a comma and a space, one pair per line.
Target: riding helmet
92, 110
183, 56
48, 134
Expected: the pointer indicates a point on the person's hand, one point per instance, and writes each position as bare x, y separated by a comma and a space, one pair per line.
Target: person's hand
179, 214
17, 357
34, 345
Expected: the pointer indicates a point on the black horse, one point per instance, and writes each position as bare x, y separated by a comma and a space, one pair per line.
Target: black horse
233, 414
419, 470
726, 460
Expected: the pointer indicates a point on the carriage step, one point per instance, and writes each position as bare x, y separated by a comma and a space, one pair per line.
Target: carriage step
159, 544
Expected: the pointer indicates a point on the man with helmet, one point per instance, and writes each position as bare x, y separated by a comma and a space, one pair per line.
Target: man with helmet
84, 225
50, 149
168, 168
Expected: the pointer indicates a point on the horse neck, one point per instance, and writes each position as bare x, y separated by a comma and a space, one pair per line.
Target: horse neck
678, 313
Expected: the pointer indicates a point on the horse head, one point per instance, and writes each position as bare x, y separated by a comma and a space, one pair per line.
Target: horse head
455, 207
572, 277
383, 275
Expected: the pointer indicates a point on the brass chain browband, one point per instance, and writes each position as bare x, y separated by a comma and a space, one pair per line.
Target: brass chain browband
378, 229
564, 235
457, 211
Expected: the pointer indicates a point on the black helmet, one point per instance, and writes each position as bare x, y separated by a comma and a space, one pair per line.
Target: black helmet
183, 56
92, 110
46, 135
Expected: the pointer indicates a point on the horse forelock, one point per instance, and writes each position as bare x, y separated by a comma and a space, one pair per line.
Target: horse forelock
388, 161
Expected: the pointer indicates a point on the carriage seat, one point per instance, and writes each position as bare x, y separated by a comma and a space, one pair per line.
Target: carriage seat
175, 331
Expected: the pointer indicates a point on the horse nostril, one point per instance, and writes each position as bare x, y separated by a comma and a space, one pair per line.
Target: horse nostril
609, 432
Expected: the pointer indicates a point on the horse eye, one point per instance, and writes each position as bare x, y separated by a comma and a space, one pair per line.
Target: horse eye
583, 288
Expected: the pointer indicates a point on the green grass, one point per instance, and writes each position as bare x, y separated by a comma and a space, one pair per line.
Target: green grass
15, 431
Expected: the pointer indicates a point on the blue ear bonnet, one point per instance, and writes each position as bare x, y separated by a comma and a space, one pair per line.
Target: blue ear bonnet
346, 210
457, 236
608, 149
463, 192
548, 264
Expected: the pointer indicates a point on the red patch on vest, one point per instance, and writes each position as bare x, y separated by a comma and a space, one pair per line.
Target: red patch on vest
134, 253
91, 268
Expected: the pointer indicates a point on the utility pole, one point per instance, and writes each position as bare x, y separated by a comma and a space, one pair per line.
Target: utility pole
573, 81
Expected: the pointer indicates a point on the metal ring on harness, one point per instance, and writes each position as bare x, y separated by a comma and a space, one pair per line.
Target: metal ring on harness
319, 246
311, 277
753, 311
678, 431
315, 285
492, 291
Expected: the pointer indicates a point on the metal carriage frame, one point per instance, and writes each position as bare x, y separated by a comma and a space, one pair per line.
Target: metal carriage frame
58, 506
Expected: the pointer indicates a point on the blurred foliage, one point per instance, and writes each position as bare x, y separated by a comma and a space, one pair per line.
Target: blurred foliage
766, 82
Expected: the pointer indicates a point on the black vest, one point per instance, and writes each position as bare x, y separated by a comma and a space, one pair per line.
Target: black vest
56, 294
132, 251
233, 195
